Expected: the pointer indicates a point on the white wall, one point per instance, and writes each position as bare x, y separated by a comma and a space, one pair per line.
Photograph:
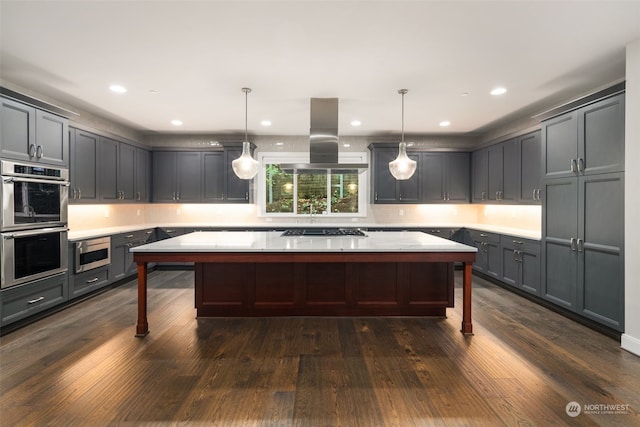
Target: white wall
631, 337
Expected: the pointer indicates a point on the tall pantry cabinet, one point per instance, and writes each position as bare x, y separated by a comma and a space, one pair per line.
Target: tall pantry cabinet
583, 211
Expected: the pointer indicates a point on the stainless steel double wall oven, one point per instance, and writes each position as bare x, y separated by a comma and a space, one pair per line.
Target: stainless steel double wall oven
34, 222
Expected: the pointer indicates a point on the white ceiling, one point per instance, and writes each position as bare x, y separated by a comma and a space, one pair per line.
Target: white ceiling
198, 55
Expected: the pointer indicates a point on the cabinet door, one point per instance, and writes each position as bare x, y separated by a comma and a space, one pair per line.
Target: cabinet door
530, 268
385, 186
530, 166
600, 251
409, 189
142, 181
22, 301
456, 170
431, 170
18, 131
510, 264
559, 145
479, 164
108, 169
214, 172
236, 189
495, 164
493, 258
559, 227
52, 139
601, 136
126, 172
164, 176
84, 167
511, 171
118, 266
189, 176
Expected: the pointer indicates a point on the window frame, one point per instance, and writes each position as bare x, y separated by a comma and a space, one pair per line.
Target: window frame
301, 157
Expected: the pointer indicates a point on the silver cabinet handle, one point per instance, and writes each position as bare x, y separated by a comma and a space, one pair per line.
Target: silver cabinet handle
33, 301
484, 195
32, 150
39, 151
150, 232
138, 196
246, 195
483, 235
128, 236
537, 194
574, 166
580, 245
573, 244
580, 164
94, 280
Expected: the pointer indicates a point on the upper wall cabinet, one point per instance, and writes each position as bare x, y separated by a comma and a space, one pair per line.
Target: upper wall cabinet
198, 177
587, 141
33, 135
104, 170
508, 172
439, 178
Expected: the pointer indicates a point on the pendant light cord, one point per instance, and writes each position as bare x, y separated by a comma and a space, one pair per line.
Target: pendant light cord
246, 91
402, 92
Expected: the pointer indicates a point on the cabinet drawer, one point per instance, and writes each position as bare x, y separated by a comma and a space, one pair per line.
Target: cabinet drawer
22, 301
484, 236
88, 281
133, 236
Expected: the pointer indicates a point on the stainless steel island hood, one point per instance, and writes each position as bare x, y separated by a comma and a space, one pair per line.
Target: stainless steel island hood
323, 145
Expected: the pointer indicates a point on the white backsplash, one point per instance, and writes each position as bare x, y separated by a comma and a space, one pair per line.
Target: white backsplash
87, 217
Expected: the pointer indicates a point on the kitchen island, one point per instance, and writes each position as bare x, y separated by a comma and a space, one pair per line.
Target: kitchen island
268, 274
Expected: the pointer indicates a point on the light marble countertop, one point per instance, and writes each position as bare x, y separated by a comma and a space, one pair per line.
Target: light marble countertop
101, 232
273, 241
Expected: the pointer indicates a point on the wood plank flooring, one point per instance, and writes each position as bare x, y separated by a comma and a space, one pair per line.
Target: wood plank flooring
84, 367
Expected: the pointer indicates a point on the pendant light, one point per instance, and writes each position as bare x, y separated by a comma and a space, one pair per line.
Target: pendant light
245, 166
402, 167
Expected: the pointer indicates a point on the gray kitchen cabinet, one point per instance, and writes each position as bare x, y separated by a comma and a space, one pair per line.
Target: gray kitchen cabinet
22, 301
480, 174
177, 176
521, 263
488, 258
386, 189
503, 171
583, 242
88, 281
122, 264
495, 179
214, 171
33, 135
116, 165
236, 190
142, 175
83, 167
530, 162
444, 177
586, 141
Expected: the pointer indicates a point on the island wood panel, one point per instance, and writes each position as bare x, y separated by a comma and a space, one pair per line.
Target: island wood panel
323, 289
416, 299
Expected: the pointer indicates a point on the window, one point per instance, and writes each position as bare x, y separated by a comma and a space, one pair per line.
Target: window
320, 194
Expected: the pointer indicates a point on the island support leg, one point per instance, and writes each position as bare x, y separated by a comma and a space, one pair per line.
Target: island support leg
467, 327
142, 328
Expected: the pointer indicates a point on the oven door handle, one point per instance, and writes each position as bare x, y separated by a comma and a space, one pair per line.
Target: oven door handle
28, 233
37, 181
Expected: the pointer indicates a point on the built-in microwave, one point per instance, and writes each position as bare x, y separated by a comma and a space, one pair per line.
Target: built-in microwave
92, 253
33, 196
32, 254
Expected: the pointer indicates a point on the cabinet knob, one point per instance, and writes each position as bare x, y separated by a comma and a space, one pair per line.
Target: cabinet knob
574, 166
580, 164
32, 150
39, 151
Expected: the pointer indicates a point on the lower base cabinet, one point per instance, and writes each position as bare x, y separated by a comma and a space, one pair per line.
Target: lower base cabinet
21, 301
521, 263
88, 281
488, 259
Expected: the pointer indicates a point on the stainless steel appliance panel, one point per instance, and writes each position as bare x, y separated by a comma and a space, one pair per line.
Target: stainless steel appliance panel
32, 254
92, 253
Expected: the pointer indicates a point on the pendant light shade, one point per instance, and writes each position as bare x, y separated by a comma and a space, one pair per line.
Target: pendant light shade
245, 166
402, 167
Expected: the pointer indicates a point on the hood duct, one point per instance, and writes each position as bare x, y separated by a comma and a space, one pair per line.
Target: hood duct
323, 142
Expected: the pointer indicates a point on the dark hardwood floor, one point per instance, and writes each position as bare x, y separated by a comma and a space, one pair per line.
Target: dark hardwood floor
523, 366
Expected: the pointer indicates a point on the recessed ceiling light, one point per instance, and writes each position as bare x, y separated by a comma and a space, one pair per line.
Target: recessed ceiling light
445, 123
346, 145
464, 94
356, 123
153, 91
176, 122
266, 123
498, 91
279, 144
118, 89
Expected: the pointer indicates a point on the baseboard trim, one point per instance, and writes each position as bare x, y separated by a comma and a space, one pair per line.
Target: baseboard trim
630, 344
